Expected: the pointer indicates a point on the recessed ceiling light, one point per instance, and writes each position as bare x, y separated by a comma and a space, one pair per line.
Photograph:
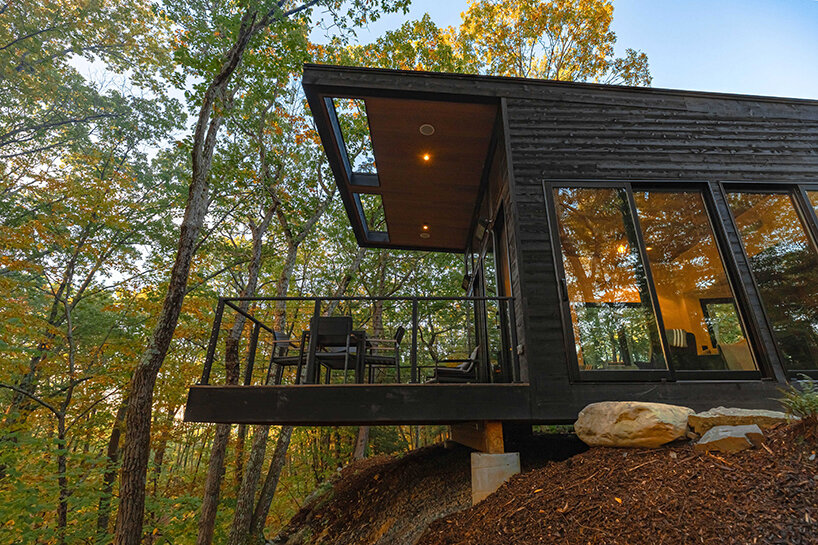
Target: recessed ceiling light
426, 129
424, 227
426, 156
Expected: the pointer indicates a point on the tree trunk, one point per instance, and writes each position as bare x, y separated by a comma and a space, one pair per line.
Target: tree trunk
240, 529
112, 455
268, 490
210, 500
343, 284
361, 443
215, 471
138, 420
62, 480
283, 286
241, 439
156, 473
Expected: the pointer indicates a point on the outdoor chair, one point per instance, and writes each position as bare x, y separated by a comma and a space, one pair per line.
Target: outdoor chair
334, 346
384, 353
280, 358
465, 371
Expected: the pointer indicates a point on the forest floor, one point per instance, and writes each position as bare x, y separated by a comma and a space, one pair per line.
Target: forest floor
670, 495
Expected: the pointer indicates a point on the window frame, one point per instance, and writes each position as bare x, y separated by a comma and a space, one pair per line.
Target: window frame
728, 263
809, 219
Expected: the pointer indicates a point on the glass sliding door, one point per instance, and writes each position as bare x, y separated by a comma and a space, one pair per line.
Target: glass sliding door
784, 263
605, 283
702, 325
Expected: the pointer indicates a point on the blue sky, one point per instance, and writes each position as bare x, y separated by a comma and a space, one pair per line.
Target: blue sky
761, 47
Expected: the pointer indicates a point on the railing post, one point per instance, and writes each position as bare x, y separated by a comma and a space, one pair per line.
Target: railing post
214, 339
312, 377
251, 355
515, 357
414, 355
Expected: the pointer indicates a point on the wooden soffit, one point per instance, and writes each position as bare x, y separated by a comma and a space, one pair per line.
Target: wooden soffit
429, 180
440, 192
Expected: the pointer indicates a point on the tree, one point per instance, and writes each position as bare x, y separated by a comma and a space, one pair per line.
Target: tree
415, 45
243, 28
46, 103
559, 39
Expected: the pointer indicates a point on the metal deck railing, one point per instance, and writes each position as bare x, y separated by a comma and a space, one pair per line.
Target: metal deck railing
489, 322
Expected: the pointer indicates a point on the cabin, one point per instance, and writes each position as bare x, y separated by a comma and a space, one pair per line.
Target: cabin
619, 243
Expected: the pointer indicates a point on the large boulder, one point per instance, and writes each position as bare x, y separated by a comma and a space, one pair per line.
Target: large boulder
631, 424
730, 438
724, 416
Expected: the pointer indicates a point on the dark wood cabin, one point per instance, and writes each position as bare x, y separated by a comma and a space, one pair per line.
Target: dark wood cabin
650, 244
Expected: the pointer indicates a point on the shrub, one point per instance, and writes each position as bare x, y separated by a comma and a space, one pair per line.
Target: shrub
801, 402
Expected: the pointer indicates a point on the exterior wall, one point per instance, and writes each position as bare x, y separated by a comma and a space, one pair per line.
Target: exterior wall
497, 195
609, 134
559, 131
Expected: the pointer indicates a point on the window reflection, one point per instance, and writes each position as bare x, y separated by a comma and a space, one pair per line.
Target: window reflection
614, 326
785, 267
702, 325
813, 199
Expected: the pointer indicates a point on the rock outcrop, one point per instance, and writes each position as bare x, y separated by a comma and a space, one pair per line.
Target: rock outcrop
724, 416
631, 424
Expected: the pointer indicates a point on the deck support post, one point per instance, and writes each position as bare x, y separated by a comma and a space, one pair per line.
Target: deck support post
490, 471
491, 466
485, 436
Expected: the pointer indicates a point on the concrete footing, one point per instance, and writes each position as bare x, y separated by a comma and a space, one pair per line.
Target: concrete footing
489, 471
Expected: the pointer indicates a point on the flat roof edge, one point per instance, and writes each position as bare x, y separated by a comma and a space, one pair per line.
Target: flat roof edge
485, 85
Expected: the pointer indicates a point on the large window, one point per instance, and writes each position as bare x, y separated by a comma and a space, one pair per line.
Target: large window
644, 282
701, 320
784, 264
614, 325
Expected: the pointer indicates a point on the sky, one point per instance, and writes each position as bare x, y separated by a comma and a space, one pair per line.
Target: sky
757, 47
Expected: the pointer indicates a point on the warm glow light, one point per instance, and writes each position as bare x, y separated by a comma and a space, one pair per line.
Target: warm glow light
426, 156
622, 249
425, 227
648, 248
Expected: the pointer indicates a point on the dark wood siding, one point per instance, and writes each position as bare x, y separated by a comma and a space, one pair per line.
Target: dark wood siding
613, 134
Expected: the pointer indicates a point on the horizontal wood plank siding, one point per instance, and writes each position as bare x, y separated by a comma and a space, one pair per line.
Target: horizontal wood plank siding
610, 134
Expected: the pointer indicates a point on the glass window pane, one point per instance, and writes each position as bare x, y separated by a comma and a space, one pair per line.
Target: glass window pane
354, 123
372, 208
701, 321
785, 267
613, 321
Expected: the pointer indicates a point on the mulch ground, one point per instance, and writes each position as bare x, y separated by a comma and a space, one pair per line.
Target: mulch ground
384, 500
391, 501
671, 495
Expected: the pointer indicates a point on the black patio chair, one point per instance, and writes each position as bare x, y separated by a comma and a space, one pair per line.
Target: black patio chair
280, 358
464, 372
384, 353
334, 346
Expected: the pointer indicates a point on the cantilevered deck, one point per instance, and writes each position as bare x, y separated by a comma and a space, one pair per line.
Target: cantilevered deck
284, 390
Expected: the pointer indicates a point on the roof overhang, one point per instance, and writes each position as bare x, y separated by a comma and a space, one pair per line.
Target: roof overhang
464, 108
428, 184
